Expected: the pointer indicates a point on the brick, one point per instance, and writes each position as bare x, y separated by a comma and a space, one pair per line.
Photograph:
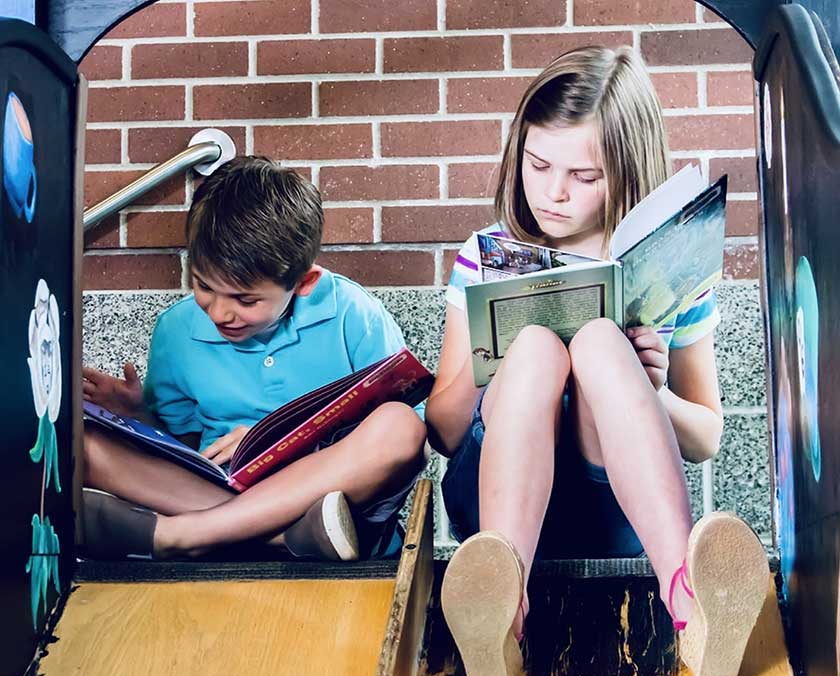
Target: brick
340, 16
131, 271
606, 12
134, 104
103, 62
102, 146
154, 21
504, 13
730, 89
259, 17
386, 97
538, 49
434, 139
676, 90
389, 182
743, 174
382, 268
710, 132
473, 179
680, 162
105, 234
156, 229
741, 262
288, 57
348, 225
434, 223
102, 184
158, 144
449, 256
710, 17
314, 142
741, 218
252, 101
196, 59
411, 55
694, 47
485, 94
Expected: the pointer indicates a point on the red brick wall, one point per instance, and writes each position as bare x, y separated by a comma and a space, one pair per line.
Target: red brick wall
396, 109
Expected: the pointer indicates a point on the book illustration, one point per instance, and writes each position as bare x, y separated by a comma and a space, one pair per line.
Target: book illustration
44, 363
501, 258
291, 431
665, 253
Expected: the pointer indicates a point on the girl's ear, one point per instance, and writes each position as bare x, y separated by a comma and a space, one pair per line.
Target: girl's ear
309, 281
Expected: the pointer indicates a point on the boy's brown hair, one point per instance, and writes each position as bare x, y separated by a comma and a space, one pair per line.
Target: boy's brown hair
253, 220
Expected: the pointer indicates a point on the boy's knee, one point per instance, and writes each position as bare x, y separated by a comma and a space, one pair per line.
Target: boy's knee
401, 432
93, 453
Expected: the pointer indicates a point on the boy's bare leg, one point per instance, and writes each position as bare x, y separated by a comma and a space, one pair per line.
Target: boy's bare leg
375, 460
119, 468
623, 426
521, 410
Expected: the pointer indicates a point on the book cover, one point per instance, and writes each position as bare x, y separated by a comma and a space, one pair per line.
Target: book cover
664, 254
291, 431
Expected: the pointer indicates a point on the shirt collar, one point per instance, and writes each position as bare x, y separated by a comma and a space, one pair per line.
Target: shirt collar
318, 306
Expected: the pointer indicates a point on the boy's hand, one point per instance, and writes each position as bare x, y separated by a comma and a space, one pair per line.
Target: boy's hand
121, 396
221, 450
652, 353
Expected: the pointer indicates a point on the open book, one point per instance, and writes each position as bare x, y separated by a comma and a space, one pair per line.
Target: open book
291, 431
664, 253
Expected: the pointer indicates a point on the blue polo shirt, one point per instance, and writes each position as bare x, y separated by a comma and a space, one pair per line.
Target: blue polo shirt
198, 381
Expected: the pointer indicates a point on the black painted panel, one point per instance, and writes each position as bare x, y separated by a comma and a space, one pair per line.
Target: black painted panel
37, 149
799, 175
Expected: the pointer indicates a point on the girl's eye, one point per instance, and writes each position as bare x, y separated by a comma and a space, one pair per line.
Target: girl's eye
586, 179
538, 167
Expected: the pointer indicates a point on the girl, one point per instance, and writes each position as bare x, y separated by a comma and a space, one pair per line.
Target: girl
576, 451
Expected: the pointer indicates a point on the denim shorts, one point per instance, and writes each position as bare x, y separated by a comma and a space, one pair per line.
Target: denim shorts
583, 519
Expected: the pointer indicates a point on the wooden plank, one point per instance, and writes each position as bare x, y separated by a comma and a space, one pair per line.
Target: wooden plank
404, 631
222, 628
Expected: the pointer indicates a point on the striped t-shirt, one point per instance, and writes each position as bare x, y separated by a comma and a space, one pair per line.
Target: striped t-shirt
689, 326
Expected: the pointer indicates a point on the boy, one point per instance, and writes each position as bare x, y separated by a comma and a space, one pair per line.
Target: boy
264, 325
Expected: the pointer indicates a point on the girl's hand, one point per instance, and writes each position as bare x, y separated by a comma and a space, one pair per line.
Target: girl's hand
652, 353
222, 450
120, 396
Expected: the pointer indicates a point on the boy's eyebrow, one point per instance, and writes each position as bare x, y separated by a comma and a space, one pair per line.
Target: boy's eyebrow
537, 157
244, 294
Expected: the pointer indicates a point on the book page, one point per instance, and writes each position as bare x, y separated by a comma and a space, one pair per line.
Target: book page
664, 273
655, 209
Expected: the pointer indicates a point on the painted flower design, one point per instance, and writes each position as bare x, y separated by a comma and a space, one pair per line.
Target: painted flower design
43, 564
45, 353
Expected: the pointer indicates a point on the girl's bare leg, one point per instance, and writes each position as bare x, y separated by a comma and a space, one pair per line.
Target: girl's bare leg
624, 427
521, 412
374, 461
114, 466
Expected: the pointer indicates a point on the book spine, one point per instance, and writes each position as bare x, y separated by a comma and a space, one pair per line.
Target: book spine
395, 380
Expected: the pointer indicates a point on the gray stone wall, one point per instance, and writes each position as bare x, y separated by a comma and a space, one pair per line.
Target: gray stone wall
117, 327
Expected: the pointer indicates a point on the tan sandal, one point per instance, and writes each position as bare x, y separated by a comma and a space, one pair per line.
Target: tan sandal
480, 595
727, 571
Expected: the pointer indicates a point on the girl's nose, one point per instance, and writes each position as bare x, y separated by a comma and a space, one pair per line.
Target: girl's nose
557, 189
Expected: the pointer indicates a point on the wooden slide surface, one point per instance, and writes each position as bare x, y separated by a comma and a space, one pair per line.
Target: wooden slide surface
222, 628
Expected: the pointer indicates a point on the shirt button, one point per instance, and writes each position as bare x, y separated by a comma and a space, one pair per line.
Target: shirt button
269, 361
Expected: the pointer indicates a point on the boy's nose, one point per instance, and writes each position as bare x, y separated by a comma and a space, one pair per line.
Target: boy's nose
219, 311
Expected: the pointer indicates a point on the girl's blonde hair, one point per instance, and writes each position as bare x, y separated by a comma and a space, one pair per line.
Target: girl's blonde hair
592, 84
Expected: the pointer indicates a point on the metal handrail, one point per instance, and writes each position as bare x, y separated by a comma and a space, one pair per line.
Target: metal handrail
203, 155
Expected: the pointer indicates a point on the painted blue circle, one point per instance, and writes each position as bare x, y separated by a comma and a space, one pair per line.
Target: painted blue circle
807, 350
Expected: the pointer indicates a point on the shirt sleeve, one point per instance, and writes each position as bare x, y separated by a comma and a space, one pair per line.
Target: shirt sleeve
163, 395
464, 272
373, 334
697, 321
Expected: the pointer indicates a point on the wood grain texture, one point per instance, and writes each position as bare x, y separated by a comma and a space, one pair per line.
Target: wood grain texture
222, 628
413, 586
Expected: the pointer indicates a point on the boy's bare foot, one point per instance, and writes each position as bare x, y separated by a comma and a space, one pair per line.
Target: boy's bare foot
325, 531
481, 596
114, 528
727, 572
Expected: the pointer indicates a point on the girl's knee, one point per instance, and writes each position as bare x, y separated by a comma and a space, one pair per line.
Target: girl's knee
539, 346
595, 341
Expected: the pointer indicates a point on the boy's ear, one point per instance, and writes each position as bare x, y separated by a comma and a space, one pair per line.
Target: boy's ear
309, 281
